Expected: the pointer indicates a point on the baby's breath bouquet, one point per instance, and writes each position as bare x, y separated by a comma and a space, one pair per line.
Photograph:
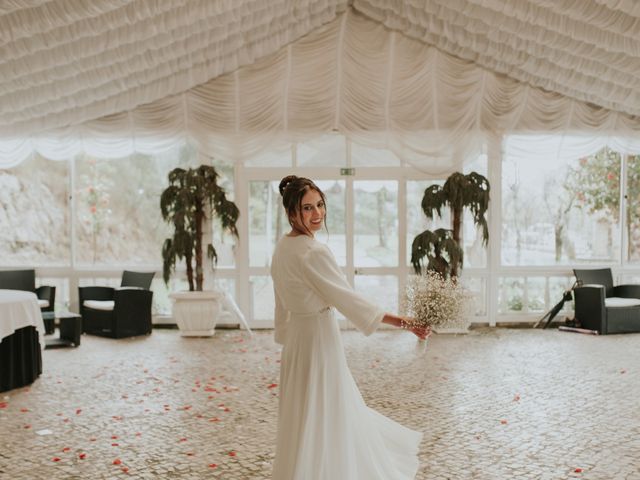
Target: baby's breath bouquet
438, 302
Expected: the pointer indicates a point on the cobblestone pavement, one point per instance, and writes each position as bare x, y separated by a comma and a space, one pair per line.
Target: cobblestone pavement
494, 404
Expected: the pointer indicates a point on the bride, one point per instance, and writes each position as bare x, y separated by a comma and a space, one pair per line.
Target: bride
325, 430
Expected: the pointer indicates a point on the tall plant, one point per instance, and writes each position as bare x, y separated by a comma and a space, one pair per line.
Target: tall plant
442, 247
192, 195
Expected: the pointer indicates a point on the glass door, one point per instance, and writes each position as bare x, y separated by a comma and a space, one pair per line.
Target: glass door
376, 241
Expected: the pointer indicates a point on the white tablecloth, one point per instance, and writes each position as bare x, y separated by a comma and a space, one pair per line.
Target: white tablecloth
20, 309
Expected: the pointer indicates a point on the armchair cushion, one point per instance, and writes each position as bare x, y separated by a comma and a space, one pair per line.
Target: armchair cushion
619, 302
106, 305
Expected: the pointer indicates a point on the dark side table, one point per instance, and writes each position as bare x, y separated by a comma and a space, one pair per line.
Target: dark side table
70, 326
49, 319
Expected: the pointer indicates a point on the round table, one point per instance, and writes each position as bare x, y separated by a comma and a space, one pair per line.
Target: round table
22, 335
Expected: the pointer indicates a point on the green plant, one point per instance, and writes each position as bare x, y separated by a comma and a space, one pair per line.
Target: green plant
184, 204
442, 247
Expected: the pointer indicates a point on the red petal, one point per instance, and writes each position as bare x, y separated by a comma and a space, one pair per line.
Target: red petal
24, 410
232, 454
117, 461
578, 470
66, 449
503, 422
273, 385
213, 465
82, 456
3, 404
56, 459
125, 469
78, 411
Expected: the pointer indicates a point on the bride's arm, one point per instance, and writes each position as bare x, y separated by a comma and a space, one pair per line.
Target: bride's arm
403, 322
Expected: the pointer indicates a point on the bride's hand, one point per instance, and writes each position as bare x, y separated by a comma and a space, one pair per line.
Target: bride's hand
420, 332
406, 323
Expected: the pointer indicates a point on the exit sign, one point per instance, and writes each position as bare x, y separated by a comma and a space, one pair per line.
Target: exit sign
347, 171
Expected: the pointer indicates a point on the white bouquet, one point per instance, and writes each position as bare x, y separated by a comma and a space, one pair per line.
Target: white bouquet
438, 302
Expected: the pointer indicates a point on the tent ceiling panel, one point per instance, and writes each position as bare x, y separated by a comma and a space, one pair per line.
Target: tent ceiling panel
63, 62
588, 50
380, 88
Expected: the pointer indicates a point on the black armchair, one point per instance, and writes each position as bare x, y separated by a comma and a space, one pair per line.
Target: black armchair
26, 280
118, 312
604, 307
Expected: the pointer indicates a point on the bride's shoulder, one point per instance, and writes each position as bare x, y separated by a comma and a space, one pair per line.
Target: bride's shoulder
316, 251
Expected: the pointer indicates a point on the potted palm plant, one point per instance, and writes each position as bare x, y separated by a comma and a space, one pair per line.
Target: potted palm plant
442, 247
443, 251
192, 199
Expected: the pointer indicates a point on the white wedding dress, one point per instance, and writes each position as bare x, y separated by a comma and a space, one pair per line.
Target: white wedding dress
325, 430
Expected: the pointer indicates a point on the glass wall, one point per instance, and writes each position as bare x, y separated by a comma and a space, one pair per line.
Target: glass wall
562, 211
35, 213
632, 197
555, 213
118, 207
376, 223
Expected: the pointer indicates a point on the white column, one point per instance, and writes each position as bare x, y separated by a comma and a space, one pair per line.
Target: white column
494, 153
242, 251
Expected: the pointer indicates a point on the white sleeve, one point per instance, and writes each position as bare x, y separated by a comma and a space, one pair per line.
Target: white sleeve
325, 277
280, 320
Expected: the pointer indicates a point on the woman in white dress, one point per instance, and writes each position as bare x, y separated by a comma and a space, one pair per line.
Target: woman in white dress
325, 430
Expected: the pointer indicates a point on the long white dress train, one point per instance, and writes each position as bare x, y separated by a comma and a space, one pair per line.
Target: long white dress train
325, 429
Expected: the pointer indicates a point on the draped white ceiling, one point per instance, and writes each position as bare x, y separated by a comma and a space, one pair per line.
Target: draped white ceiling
429, 79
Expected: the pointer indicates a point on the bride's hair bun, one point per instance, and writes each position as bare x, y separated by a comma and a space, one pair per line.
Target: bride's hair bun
285, 182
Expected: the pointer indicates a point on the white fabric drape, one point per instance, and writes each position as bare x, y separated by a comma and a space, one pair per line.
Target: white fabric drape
588, 49
377, 86
544, 147
63, 62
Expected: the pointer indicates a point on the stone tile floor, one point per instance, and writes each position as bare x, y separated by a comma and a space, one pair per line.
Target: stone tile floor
494, 404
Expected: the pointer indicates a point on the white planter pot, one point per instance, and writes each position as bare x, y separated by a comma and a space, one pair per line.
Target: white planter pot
196, 313
452, 330
459, 327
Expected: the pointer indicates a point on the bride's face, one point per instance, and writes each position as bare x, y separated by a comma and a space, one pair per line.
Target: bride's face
312, 212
